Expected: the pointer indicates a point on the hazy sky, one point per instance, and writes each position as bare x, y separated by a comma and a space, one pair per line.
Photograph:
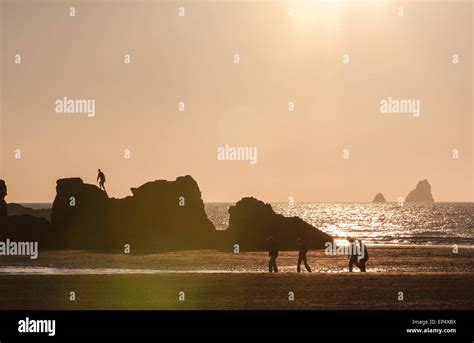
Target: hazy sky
283, 59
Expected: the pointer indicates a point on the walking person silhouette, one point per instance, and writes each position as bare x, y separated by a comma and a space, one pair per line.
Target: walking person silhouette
364, 257
353, 253
101, 180
273, 253
302, 251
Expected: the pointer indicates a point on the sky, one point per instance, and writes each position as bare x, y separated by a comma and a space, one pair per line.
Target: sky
334, 61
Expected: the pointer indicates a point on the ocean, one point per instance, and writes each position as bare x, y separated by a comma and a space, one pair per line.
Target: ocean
387, 224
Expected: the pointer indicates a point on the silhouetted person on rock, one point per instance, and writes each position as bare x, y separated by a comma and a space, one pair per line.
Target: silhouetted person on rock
101, 180
302, 251
352, 253
273, 253
364, 256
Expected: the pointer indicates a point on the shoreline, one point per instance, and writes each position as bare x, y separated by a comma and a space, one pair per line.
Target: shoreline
112, 271
388, 260
430, 278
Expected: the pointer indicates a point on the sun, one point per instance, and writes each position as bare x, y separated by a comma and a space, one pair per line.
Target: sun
307, 16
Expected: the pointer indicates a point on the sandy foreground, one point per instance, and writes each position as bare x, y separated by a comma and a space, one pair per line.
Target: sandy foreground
429, 277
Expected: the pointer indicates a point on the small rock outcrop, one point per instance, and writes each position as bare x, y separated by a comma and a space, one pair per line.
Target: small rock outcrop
22, 227
252, 221
379, 198
3, 204
422, 193
18, 209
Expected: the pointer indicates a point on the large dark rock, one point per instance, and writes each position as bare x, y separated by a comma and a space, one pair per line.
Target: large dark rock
151, 219
252, 221
160, 215
79, 215
379, 198
26, 228
422, 193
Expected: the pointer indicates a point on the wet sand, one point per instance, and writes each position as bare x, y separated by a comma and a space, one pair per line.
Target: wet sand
429, 277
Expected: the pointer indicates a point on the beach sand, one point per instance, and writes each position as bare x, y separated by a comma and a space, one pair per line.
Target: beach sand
429, 277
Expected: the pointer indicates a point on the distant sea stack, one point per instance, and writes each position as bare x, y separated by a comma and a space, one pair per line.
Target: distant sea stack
160, 215
422, 193
379, 198
252, 221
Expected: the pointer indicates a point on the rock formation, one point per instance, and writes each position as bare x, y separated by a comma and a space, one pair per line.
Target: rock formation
252, 221
79, 215
3, 204
422, 193
379, 198
158, 216
18, 209
22, 227
26, 228
161, 215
